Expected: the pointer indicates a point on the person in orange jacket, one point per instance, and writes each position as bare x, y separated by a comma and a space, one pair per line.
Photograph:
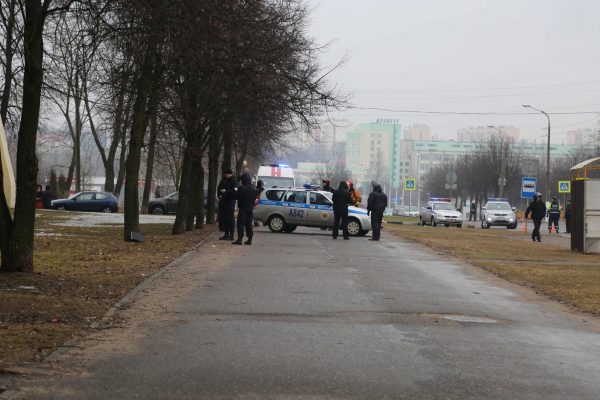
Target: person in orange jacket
354, 194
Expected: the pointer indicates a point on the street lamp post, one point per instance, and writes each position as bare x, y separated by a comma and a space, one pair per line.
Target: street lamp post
547, 151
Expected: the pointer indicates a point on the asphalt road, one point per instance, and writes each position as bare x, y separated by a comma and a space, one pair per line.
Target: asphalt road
302, 316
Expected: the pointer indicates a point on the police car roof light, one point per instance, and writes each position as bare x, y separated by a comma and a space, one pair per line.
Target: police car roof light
440, 199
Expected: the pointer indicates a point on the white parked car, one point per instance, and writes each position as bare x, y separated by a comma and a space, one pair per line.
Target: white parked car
440, 211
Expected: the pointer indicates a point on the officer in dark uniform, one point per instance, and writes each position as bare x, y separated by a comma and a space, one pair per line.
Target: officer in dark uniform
568, 215
246, 197
226, 192
327, 185
537, 209
376, 205
341, 200
553, 215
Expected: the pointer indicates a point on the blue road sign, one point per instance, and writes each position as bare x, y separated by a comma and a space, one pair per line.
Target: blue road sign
564, 186
528, 187
410, 184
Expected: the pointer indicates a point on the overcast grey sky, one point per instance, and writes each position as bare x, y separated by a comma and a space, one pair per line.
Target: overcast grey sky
466, 55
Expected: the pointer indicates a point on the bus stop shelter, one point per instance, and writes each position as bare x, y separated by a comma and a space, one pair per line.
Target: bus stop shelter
585, 203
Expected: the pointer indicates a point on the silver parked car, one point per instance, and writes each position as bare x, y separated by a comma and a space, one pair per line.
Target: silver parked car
440, 211
498, 212
282, 210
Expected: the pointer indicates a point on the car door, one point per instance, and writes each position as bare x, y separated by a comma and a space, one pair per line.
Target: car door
171, 203
101, 201
320, 210
83, 202
295, 207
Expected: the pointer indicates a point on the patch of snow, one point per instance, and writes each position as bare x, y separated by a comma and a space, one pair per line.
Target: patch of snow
91, 220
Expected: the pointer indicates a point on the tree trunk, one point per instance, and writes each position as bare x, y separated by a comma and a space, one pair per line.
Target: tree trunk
199, 192
122, 168
213, 175
136, 139
78, 129
227, 146
150, 162
8, 70
17, 254
179, 226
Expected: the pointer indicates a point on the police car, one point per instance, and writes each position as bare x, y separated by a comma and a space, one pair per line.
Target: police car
498, 212
440, 211
284, 209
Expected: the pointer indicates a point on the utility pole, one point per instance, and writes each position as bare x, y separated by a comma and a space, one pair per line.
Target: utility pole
547, 151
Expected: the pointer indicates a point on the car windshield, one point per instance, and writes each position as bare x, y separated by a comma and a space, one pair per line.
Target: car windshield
414, 208
498, 206
272, 181
443, 206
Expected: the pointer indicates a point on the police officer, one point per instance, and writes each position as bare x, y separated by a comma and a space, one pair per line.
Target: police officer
327, 185
553, 215
341, 201
376, 205
226, 193
473, 212
246, 197
537, 209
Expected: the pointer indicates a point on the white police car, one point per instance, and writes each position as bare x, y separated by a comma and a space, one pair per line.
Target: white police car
498, 212
283, 210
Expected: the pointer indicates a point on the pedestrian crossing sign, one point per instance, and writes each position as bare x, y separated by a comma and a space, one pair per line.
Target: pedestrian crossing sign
410, 184
564, 186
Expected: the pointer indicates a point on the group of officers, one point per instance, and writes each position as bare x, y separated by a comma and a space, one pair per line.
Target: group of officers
538, 211
230, 191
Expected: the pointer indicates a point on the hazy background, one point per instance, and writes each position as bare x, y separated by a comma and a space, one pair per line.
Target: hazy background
466, 55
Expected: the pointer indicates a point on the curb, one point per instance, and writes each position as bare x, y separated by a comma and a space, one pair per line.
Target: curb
127, 299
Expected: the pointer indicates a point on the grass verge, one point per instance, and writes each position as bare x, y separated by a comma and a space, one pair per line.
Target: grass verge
80, 273
552, 269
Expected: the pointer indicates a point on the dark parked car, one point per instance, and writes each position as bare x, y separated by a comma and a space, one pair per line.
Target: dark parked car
164, 205
168, 204
88, 201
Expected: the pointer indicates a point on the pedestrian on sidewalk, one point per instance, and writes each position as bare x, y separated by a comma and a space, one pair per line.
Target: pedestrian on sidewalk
246, 198
157, 193
568, 211
553, 215
260, 186
537, 209
376, 205
341, 201
473, 211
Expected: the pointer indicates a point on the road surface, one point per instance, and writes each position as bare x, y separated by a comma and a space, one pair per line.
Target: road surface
302, 316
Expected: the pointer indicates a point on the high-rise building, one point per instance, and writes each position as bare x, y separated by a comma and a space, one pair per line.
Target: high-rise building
483, 133
420, 132
580, 137
373, 153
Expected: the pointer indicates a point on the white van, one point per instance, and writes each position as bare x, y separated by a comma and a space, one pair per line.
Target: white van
276, 175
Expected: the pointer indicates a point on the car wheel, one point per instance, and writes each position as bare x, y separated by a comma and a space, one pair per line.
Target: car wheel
107, 210
61, 208
290, 228
354, 228
276, 223
433, 223
422, 221
157, 210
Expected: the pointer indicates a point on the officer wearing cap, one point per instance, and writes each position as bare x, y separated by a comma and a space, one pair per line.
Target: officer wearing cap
537, 209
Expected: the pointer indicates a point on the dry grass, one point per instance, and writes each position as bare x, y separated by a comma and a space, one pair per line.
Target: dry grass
552, 269
80, 273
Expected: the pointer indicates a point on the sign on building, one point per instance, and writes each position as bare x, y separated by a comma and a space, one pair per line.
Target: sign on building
564, 186
410, 184
528, 187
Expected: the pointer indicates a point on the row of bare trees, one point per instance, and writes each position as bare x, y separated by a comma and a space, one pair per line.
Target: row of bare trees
479, 173
189, 86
